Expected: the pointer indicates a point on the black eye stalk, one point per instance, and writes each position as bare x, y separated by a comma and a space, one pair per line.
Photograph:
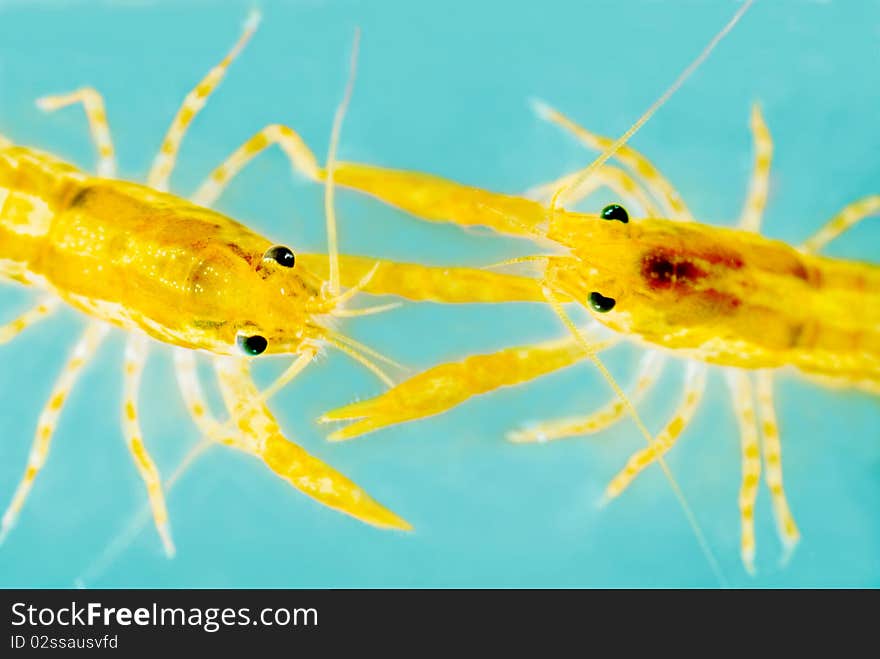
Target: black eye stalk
615, 212
281, 255
252, 345
600, 303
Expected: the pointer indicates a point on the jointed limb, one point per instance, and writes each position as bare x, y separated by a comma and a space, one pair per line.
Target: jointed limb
428, 197
614, 178
194, 398
165, 160
756, 200
135, 358
191, 390
444, 386
613, 411
16, 326
301, 158
694, 386
743, 403
82, 353
93, 104
305, 472
655, 181
213, 431
593, 356
843, 221
614, 147
785, 524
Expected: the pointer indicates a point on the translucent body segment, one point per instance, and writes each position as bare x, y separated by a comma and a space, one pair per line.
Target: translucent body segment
13, 328
96, 114
289, 461
135, 359
82, 353
444, 386
694, 386
163, 165
301, 159
620, 182
756, 199
650, 367
772, 449
655, 181
843, 221
743, 404
428, 283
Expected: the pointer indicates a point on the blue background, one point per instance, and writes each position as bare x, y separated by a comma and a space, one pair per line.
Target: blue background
444, 87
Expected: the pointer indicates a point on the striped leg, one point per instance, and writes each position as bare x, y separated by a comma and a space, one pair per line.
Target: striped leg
135, 358
228, 433
194, 398
83, 351
843, 221
301, 158
785, 524
614, 178
694, 386
756, 200
743, 403
655, 181
592, 355
16, 326
649, 370
165, 160
213, 432
93, 104
291, 462
191, 390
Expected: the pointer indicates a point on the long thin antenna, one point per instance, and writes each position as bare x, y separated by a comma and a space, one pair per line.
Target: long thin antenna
590, 351
329, 210
366, 311
357, 345
582, 176
358, 357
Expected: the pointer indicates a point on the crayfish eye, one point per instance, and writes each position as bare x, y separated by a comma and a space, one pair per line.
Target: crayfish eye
281, 255
601, 303
615, 212
252, 345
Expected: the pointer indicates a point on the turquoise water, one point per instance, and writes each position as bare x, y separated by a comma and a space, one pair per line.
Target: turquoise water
445, 88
